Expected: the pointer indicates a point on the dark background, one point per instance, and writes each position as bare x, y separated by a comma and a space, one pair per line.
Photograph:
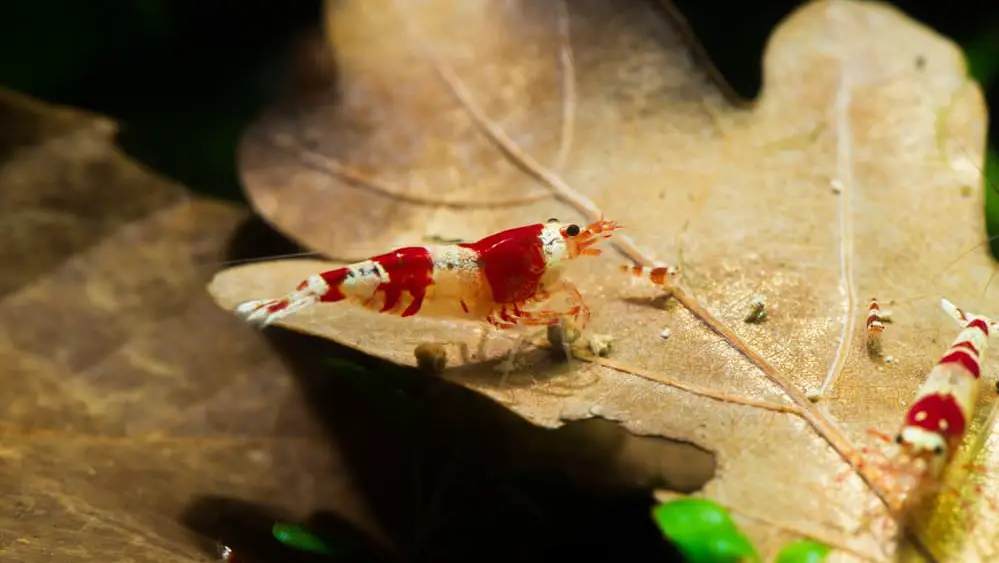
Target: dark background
184, 77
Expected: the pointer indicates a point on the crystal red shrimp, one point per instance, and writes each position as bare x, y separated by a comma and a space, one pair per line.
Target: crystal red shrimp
876, 318
659, 275
876, 321
938, 418
496, 279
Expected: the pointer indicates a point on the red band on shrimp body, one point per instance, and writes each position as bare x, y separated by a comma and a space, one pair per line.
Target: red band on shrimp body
966, 344
658, 275
965, 358
277, 306
981, 325
334, 279
937, 413
410, 270
513, 262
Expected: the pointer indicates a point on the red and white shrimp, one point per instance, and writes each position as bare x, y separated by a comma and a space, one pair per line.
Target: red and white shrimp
938, 418
496, 279
876, 321
659, 275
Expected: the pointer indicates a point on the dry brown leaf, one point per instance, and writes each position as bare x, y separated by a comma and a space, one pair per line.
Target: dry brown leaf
847, 179
127, 394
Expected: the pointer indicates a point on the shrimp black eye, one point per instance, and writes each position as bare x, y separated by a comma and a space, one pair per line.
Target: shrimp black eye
572, 230
938, 450
898, 439
552, 220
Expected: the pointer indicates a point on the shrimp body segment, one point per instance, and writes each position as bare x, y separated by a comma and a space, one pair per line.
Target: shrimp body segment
876, 318
496, 279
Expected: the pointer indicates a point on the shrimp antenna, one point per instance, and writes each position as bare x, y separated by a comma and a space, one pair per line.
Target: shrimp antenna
272, 257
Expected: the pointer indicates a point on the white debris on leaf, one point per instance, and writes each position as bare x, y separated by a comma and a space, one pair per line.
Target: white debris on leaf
600, 344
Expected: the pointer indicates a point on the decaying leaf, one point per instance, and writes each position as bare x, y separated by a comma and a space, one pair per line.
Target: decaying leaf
127, 395
843, 182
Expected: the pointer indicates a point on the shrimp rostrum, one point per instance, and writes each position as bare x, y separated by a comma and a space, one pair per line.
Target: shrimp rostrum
508, 279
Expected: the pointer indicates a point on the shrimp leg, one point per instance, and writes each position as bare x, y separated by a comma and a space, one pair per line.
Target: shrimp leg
509, 315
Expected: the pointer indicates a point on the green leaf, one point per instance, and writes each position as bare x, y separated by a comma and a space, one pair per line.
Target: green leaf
992, 200
703, 531
982, 54
803, 551
297, 537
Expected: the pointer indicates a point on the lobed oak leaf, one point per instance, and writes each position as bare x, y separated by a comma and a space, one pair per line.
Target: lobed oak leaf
847, 179
126, 394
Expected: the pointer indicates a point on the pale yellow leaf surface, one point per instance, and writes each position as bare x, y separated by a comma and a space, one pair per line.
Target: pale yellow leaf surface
848, 178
